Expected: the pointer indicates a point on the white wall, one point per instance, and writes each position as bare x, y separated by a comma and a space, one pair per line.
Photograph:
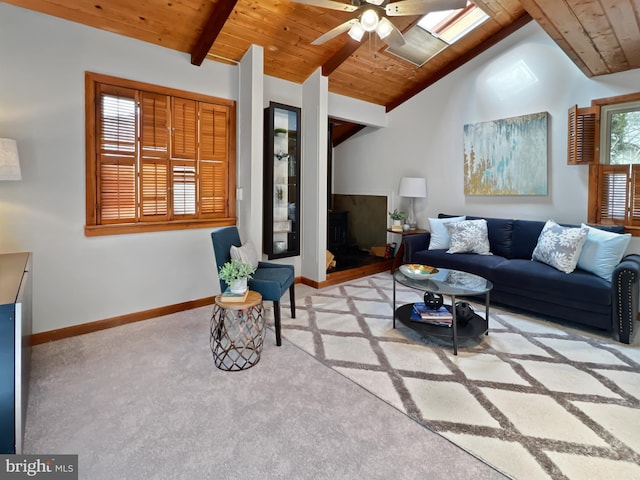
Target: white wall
424, 135
79, 279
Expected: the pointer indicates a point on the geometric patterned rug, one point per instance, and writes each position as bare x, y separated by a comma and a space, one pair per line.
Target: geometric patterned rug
534, 399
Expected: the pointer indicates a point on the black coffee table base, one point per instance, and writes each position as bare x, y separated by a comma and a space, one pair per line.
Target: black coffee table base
476, 327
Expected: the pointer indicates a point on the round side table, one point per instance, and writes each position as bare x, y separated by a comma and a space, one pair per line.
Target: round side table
237, 332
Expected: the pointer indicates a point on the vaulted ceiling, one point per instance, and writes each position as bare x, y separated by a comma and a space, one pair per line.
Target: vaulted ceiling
600, 37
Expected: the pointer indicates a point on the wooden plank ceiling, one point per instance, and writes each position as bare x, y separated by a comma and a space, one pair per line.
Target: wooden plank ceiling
600, 36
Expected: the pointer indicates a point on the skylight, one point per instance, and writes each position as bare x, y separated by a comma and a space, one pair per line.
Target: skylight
436, 31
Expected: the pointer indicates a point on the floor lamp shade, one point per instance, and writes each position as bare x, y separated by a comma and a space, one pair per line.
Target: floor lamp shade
412, 187
9, 161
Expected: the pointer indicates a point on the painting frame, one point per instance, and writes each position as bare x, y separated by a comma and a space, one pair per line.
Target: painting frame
508, 156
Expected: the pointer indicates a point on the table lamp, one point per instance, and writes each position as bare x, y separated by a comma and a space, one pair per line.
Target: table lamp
9, 161
412, 187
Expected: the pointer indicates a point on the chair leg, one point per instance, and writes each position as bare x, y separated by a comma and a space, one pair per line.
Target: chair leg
276, 315
292, 300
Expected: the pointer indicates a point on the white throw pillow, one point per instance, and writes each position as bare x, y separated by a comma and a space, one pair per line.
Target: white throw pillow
602, 251
246, 253
560, 247
470, 236
439, 234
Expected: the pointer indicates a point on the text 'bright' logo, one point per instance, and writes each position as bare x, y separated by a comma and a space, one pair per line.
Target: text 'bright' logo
30, 468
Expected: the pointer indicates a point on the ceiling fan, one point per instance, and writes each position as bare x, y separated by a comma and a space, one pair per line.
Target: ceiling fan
373, 19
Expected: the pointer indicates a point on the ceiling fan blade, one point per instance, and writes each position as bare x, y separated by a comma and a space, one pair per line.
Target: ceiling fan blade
334, 32
328, 4
422, 7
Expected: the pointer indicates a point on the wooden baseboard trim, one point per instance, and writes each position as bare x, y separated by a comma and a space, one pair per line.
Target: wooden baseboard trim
75, 330
350, 274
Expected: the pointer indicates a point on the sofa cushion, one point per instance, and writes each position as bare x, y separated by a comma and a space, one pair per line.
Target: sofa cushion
602, 251
525, 238
439, 234
560, 246
500, 235
467, 262
543, 281
469, 236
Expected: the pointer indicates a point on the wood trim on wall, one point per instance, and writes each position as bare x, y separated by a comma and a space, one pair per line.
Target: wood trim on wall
90, 327
75, 330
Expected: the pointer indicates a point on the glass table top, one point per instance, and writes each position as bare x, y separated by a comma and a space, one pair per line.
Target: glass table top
447, 282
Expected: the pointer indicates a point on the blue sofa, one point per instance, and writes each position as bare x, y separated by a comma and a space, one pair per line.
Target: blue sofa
579, 297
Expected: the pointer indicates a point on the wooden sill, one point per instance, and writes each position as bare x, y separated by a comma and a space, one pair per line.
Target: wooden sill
124, 228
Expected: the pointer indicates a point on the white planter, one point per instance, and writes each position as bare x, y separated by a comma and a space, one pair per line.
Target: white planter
238, 286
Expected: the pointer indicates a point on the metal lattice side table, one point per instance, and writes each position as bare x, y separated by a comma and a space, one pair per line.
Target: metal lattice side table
237, 332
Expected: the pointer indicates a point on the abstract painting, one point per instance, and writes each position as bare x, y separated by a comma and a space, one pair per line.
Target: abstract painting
506, 156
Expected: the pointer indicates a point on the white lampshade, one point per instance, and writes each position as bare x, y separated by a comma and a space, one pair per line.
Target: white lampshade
369, 20
384, 28
356, 32
9, 161
412, 187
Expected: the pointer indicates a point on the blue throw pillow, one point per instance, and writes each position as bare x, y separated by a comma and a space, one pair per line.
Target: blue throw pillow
602, 251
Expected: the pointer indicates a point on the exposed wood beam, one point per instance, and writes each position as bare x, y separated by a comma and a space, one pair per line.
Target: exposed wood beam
471, 54
340, 56
344, 131
221, 11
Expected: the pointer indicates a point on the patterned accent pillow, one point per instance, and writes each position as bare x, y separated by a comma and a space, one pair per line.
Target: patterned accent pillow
470, 236
560, 247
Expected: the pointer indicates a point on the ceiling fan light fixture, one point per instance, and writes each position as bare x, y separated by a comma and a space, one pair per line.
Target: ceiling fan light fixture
369, 20
356, 32
384, 28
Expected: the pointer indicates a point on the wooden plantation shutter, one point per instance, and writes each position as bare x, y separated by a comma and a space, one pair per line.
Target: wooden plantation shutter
634, 207
157, 158
214, 159
154, 159
184, 156
583, 135
613, 190
117, 151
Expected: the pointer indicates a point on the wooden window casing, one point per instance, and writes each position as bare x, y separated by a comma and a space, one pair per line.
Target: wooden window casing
156, 158
614, 190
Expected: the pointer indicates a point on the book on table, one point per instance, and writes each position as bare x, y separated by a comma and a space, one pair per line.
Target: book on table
229, 296
421, 313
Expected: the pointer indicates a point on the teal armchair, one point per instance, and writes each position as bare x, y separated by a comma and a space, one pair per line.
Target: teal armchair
271, 280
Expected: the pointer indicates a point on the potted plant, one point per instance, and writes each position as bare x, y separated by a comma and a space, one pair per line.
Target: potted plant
236, 273
397, 217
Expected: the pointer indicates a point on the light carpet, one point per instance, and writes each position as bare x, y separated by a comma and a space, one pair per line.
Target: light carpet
535, 399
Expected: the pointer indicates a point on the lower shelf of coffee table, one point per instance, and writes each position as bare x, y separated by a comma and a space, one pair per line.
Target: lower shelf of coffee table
476, 327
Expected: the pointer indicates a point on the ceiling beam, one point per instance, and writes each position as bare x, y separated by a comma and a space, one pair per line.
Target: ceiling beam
221, 11
469, 55
340, 56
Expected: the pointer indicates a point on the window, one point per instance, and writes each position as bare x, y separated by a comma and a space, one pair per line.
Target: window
157, 158
606, 136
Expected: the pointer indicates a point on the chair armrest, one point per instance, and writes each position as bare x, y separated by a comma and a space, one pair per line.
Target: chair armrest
625, 289
414, 243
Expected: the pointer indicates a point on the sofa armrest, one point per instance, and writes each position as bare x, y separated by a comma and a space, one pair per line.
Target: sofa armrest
625, 281
414, 243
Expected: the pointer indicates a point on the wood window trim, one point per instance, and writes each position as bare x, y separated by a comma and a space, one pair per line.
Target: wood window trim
594, 184
92, 226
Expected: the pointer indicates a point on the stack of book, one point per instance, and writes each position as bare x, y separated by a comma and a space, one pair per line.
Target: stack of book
434, 316
229, 296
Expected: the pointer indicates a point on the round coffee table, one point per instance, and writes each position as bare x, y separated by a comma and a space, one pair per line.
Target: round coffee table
452, 283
